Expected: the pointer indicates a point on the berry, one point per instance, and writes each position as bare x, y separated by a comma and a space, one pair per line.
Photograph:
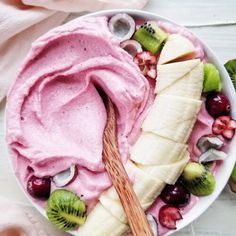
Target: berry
168, 215
217, 104
39, 188
176, 195
147, 63
224, 126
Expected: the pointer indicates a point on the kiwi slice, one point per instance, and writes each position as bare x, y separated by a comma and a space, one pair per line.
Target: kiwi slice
233, 175
65, 209
198, 179
151, 37
231, 68
212, 81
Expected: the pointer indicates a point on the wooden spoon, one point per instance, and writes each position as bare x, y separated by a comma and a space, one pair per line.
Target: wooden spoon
115, 169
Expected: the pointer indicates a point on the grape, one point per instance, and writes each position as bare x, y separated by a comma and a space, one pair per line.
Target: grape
217, 104
176, 195
39, 188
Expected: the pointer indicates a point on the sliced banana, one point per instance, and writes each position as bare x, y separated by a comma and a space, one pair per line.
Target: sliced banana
100, 223
151, 149
177, 46
114, 207
146, 187
172, 117
168, 74
189, 86
168, 173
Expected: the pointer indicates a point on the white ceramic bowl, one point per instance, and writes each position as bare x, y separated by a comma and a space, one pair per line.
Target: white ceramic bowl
225, 170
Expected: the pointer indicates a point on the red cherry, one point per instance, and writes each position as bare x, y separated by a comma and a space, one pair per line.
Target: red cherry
176, 195
147, 63
39, 188
168, 215
224, 126
217, 104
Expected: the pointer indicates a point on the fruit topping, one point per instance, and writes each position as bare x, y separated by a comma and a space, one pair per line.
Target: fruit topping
39, 188
233, 174
151, 37
232, 180
65, 177
122, 26
212, 81
212, 155
153, 223
147, 63
176, 195
231, 68
209, 141
198, 179
65, 209
132, 47
224, 126
168, 215
177, 47
217, 104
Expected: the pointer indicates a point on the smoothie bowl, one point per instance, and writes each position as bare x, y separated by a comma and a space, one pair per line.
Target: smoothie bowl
175, 122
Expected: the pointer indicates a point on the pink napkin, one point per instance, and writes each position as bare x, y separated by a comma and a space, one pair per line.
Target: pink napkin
22, 21
15, 221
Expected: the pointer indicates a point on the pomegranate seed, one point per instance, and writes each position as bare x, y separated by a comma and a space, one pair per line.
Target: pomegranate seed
147, 63
168, 215
232, 124
228, 133
225, 126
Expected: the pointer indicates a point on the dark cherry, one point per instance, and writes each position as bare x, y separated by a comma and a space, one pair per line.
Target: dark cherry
217, 104
176, 195
39, 188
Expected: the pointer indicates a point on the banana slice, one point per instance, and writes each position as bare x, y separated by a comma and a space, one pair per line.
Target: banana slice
168, 173
116, 209
168, 74
177, 46
151, 149
146, 187
189, 86
101, 223
172, 117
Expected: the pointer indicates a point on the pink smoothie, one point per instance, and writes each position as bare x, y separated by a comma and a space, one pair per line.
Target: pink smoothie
56, 117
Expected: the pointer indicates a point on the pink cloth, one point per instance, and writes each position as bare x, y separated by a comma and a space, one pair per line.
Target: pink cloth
15, 221
22, 21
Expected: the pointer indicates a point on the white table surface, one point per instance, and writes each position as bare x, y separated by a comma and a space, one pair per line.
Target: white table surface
214, 21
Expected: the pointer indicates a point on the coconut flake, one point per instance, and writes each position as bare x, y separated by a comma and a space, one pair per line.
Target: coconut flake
212, 155
65, 177
153, 223
122, 26
210, 141
132, 47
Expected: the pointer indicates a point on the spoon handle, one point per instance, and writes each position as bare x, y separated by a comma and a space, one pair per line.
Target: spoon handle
116, 171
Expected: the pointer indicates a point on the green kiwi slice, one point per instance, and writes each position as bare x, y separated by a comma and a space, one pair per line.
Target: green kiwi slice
212, 80
198, 179
151, 37
233, 175
231, 69
65, 209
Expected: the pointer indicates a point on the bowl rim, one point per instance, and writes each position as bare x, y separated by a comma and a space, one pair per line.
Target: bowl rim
221, 176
